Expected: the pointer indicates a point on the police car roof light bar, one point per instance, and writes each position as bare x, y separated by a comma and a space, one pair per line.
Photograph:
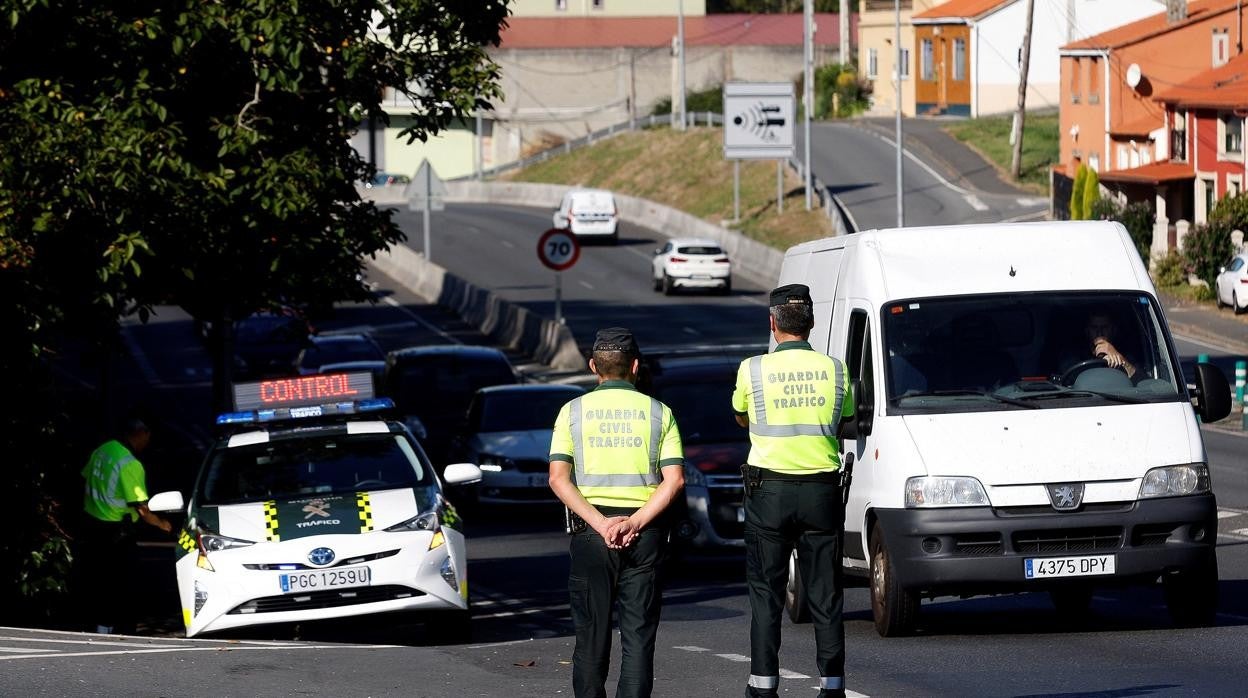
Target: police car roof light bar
377, 404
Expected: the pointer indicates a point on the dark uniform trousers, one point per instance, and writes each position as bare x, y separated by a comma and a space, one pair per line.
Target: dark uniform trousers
106, 563
600, 577
808, 515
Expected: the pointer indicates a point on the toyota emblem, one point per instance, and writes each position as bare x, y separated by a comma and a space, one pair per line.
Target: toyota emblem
321, 556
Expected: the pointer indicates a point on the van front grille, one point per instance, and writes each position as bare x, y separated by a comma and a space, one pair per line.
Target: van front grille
1069, 540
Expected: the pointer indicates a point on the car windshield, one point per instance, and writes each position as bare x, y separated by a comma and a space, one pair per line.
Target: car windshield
338, 351
269, 328
699, 249
703, 411
286, 468
1026, 351
522, 411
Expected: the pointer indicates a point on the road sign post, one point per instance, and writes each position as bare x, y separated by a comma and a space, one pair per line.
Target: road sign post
558, 250
428, 193
758, 125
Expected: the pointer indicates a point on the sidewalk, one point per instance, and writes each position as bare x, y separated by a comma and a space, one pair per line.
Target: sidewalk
957, 163
1220, 328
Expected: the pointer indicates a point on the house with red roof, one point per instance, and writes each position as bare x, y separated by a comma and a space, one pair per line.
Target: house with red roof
968, 53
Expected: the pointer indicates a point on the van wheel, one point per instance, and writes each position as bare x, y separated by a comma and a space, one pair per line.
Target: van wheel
1192, 595
1072, 602
795, 601
896, 610
669, 286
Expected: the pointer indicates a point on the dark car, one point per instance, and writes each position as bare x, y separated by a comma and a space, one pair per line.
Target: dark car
266, 344
698, 387
435, 384
335, 349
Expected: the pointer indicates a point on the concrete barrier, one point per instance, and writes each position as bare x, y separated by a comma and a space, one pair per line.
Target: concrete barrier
506, 323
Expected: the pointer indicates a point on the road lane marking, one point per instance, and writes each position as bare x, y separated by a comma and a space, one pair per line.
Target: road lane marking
734, 657
1239, 532
499, 644
690, 330
26, 650
691, 648
420, 320
1228, 513
786, 674
975, 202
586, 284
508, 243
167, 650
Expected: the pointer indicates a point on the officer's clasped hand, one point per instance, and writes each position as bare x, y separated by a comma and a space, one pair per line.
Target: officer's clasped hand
617, 531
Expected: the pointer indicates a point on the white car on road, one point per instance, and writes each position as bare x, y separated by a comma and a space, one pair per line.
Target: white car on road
1231, 286
317, 508
589, 214
691, 263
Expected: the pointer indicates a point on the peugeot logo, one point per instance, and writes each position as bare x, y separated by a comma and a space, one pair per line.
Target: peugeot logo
321, 556
1066, 496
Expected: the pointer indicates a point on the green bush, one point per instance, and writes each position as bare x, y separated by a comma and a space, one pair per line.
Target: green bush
840, 80
1203, 293
1076, 193
1231, 210
710, 99
1170, 271
1206, 248
1091, 193
1137, 217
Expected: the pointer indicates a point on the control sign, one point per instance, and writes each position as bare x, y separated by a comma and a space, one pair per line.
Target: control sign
322, 389
558, 249
759, 120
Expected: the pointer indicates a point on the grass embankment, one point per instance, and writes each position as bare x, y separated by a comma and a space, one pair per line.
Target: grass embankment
687, 170
990, 137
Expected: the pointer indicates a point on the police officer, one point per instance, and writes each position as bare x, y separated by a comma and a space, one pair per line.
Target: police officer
793, 400
114, 500
616, 463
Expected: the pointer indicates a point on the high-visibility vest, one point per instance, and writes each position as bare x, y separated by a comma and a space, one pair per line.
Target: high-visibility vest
114, 478
795, 399
619, 440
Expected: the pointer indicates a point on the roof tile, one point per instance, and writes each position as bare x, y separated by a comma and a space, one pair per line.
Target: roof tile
959, 9
1150, 26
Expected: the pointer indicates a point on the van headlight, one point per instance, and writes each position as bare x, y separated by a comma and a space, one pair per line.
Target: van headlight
924, 492
1175, 481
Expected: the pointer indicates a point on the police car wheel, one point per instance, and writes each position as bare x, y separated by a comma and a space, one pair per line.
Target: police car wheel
896, 610
1192, 594
795, 602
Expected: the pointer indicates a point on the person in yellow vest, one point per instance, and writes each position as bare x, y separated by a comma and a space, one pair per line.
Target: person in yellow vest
793, 401
616, 463
114, 500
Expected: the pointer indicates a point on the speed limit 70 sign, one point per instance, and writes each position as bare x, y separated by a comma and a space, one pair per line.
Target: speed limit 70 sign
558, 249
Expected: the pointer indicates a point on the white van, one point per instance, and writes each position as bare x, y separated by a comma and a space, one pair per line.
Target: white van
993, 452
590, 214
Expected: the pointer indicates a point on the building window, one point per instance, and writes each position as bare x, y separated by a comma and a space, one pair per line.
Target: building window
561, 5
904, 68
598, 4
928, 66
1094, 83
1178, 138
873, 63
1123, 154
1209, 197
1232, 141
959, 59
1094, 161
1076, 72
1234, 185
1221, 47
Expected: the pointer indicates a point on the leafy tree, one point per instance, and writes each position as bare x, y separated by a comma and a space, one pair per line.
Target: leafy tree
197, 154
842, 81
1091, 193
1232, 210
1077, 193
1137, 217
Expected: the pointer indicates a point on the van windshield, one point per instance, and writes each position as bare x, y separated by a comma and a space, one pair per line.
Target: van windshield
1026, 351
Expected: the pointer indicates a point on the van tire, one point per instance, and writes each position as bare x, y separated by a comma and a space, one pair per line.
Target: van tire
795, 601
896, 610
1192, 594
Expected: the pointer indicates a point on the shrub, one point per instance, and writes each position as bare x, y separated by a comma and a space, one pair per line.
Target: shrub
1076, 193
1231, 210
1170, 271
710, 99
842, 81
1137, 217
1091, 193
1203, 293
1206, 248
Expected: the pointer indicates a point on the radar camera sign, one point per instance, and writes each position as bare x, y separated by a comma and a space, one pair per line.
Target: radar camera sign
759, 120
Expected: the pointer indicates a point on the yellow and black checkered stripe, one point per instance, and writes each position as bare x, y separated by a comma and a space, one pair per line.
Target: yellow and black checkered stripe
186, 541
365, 505
270, 522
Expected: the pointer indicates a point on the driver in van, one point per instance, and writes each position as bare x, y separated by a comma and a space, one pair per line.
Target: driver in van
1099, 331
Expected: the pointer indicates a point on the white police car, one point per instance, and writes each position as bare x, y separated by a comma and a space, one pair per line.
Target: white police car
311, 510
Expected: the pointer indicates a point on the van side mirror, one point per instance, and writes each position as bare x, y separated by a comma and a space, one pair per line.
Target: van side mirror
1213, 393
864, 411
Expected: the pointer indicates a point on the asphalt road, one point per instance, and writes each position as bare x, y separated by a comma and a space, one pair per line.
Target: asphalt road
1008, 645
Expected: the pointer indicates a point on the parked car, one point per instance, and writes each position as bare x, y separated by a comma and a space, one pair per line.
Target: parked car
1231, 286
435, 384
385, 179
691, 263
590, 214
335, 349
266, 344
507, 435
697, 385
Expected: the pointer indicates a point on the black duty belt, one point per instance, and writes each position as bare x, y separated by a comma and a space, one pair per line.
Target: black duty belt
759, 474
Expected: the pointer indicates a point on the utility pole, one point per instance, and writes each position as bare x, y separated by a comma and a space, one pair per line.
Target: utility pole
680, 39
843, 37
808, 99
1016, 165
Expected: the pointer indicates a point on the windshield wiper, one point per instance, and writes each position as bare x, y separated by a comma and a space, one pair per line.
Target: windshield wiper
1068, 392
956, 393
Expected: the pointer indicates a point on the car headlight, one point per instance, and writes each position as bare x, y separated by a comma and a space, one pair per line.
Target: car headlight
924, 492
428, 521
491, 463
213, 542
693, 476
1175, 481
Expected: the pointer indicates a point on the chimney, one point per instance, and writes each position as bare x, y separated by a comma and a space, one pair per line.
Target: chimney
1176, 11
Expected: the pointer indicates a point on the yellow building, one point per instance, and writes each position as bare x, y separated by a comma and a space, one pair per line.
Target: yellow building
876, 51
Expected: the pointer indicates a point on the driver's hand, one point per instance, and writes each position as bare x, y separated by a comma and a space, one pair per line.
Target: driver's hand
1104, 350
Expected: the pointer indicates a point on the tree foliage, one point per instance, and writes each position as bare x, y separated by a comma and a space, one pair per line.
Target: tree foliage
1206, 248
1077, 192
1231, 210
197, 154
1091, 193
1137, 217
